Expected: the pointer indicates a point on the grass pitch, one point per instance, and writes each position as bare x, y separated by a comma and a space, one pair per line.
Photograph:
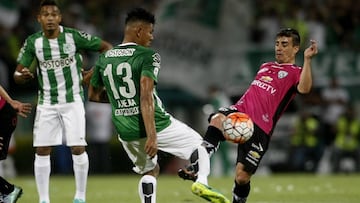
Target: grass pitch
279, 188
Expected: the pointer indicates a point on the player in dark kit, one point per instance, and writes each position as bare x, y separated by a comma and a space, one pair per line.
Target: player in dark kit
9, 109
274, 87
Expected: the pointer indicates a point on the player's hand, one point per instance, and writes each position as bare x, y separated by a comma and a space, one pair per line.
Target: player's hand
312, 50
22, 108
24, 75
151, 146
87, 76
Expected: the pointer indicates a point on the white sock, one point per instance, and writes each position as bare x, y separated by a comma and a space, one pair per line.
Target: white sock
81, 169
147, 189
204, 165
42, 170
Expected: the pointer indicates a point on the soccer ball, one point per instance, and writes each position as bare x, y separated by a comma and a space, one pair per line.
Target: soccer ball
238, 127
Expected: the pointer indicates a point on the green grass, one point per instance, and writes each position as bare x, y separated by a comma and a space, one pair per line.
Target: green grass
282, 188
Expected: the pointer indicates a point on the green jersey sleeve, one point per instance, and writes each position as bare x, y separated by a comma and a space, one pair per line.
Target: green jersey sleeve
85, 41
27, 52
151, 65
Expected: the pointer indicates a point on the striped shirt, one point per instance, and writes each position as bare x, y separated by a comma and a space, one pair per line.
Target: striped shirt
59, 63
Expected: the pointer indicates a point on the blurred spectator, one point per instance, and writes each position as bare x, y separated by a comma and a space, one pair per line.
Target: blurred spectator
99, 133
316, 26
9, 14
346, 144
335, 99
305, 150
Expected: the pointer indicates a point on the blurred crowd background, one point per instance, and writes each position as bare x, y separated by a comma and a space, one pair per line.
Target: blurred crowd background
210, 51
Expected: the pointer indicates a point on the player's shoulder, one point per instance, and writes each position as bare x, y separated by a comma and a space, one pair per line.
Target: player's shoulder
34, 36
148, 52
267, 63
280, 65
145, 49
292, 66
78, 33
70, 29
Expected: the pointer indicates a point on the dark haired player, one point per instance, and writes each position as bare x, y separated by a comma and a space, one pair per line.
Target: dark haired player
9, 109
274, 87
129, 73
60, 110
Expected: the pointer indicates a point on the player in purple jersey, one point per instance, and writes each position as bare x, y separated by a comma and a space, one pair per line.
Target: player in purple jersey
9, 109
274, 87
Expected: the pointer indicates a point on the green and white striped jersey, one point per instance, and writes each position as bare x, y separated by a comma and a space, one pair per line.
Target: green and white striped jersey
59, 63
120, 70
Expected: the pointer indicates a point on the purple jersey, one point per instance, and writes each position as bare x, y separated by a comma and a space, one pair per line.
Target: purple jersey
273, 88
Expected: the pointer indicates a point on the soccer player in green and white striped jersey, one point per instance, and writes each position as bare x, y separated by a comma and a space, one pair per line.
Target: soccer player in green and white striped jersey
129, 73
60, 110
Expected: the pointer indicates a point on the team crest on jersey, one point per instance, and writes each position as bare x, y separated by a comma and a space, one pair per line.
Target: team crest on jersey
68, 48
156, 58
282, 74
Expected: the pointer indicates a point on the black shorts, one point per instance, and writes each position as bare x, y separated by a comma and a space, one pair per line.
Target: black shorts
252, 151
8, 121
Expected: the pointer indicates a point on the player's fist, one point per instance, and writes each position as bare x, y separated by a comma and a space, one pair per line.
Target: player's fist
312, 50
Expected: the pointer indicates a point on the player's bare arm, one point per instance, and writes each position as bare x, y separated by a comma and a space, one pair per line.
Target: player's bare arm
87, 74
104, 46
147, 111
22, 108
97, 94
22, 74
305, 82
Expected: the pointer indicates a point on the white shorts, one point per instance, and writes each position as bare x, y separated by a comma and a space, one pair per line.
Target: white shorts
55, 122
177, 139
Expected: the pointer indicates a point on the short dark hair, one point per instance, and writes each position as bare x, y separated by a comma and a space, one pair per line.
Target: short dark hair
48, 3
290, 32
139, 14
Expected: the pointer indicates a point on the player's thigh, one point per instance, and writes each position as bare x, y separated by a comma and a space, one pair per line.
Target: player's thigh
136, 152
73, 118
179, 139
47, 126
252, 151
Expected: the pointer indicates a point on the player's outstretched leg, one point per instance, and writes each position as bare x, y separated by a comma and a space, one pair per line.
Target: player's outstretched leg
13, 196
208, 193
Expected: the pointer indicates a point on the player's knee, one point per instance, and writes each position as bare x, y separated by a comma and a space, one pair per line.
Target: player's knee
154, 172
242, 177
43, 151
217, 120
77, 150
